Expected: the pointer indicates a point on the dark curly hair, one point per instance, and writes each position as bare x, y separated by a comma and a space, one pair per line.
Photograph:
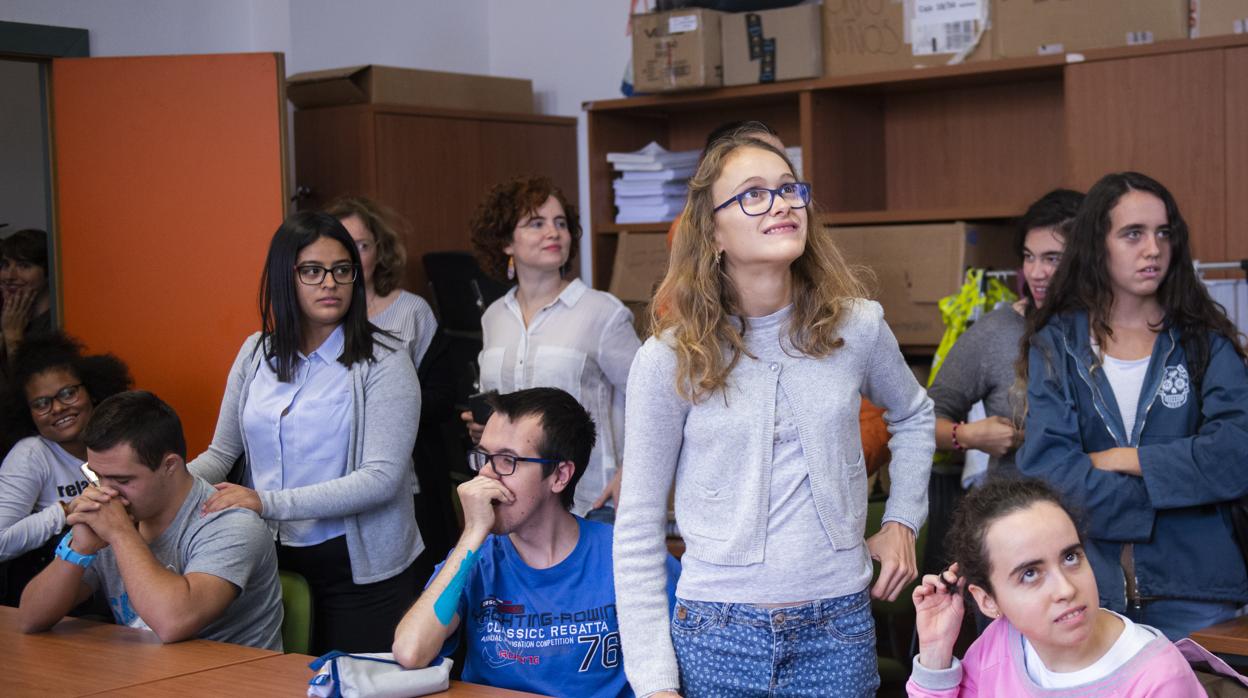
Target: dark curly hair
983, 505
103, 375
495, 220
388, 229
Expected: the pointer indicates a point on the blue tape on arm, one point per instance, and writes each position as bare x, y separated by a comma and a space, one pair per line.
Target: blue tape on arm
446, 605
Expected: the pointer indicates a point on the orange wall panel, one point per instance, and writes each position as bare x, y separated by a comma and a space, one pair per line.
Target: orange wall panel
169, 181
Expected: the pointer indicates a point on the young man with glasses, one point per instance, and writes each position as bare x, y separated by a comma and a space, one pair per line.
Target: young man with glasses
528, 583
138, 535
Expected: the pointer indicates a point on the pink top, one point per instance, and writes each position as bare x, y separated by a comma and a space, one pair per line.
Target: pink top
993, 666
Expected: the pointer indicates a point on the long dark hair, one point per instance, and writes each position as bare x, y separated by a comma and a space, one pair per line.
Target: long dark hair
281, 329
1054, 211
1082, 280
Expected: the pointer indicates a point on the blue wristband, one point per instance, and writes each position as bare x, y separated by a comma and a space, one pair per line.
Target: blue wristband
68, 554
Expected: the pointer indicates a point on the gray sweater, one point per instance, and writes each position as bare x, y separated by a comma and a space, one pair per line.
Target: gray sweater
374, 498
980, 366
718, 452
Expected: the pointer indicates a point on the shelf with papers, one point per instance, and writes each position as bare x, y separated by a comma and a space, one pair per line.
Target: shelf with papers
975, 142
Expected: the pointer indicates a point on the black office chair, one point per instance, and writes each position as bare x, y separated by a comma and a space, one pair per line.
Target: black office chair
461, 291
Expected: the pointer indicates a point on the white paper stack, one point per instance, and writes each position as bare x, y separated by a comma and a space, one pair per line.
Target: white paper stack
654, 184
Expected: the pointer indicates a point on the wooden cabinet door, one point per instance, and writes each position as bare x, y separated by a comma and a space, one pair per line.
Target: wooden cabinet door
170, 180
1162, 115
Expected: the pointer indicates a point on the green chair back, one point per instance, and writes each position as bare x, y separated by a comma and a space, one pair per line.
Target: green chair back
297, 606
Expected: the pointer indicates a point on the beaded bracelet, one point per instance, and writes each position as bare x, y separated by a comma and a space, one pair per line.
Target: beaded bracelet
956, 444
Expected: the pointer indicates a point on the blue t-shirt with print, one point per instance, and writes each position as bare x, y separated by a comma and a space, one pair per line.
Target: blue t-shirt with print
552, 631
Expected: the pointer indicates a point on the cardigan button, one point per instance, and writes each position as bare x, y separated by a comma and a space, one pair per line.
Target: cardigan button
774, 367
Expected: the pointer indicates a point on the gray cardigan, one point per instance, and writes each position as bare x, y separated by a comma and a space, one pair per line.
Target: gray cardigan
718, 451
374, 497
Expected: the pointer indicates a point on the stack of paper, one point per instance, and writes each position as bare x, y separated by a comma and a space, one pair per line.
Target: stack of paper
654, 185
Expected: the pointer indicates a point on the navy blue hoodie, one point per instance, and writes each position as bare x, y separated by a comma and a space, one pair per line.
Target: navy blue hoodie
1192, 443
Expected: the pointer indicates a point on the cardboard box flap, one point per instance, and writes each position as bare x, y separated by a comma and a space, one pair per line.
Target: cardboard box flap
382, 84
640, 264
322, 75
319, 88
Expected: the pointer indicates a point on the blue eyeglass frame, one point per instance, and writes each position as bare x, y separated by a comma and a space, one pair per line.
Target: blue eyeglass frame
489, 458
805, 188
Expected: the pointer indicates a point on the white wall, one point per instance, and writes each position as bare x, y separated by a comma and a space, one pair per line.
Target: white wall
158, 27
572, 50
427, 34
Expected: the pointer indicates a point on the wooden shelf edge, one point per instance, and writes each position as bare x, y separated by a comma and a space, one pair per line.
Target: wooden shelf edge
616, 229
961, 213
995, 70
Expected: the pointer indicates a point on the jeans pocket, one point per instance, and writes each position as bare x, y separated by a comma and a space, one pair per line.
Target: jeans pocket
854, 626
689, 618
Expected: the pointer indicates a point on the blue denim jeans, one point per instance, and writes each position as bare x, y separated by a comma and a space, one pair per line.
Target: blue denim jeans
1177, 618
821, 648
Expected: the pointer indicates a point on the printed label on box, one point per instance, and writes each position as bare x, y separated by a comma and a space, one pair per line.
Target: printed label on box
943, 26
682, 23
1138, 38
1239, 25
1050, 49
944, 11
949, 37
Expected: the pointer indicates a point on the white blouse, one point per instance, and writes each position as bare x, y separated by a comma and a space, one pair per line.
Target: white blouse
583, 342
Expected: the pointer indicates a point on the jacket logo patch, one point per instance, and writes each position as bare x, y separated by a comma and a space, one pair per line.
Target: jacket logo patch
1174, 387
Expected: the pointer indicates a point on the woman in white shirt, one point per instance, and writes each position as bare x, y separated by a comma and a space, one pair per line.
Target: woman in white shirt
552, 330
58, 389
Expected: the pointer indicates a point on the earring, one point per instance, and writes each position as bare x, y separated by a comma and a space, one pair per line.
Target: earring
719, 255
511, 268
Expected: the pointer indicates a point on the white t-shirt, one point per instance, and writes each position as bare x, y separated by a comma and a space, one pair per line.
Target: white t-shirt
35, 475
1131, 641
1126, 378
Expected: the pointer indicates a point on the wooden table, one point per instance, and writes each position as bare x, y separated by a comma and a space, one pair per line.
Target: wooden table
1230, 637
283, 675
79, 657
83, 658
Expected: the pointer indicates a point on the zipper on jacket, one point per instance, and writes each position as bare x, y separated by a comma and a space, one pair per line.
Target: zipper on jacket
1092, 389
1148, 408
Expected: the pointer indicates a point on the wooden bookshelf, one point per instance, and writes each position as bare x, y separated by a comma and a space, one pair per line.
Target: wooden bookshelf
977, 141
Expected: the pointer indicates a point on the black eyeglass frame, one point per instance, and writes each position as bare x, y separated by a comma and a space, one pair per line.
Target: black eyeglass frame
489, 458
322, 271
805, 195
76, 389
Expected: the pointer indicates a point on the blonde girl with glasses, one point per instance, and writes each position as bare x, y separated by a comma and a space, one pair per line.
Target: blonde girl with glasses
324, 407
747, 400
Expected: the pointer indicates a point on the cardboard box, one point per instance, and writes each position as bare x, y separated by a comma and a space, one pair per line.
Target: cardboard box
868, 36
379, 84
1216, 17
1042, 27
917, 265
640, 264
677, 50
772, 45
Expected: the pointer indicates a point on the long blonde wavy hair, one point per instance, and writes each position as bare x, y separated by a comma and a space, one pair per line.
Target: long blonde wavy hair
697, 301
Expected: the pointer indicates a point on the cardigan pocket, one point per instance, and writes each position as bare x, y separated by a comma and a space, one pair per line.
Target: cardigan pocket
706, 513
854, 481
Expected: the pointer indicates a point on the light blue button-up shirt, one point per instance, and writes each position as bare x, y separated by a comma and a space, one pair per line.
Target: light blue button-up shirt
298, 433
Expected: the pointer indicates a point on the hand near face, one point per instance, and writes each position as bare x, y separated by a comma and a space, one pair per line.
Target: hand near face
230, 495
938, 609
477, 496
18, 306
893, 548
104, 511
